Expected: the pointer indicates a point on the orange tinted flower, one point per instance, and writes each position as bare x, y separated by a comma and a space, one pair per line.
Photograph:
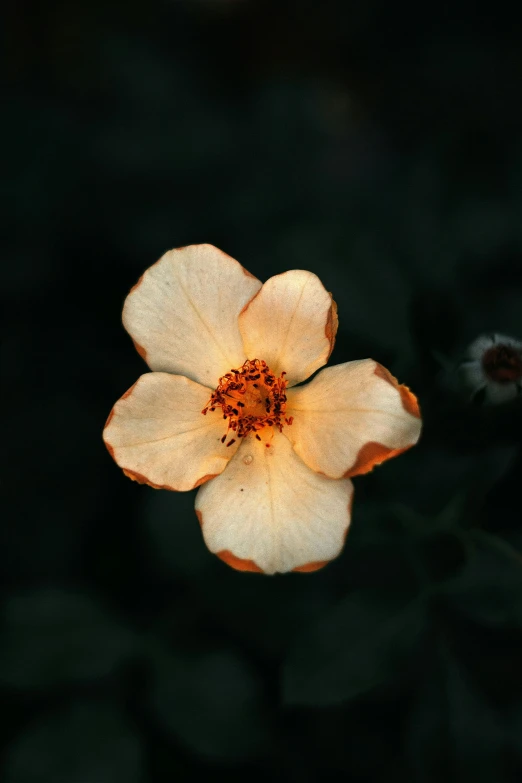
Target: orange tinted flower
221, 403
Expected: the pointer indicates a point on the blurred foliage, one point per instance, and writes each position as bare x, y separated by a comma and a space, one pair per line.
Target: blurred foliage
380, 146
211, 701
52, 637
81, 743
364, 640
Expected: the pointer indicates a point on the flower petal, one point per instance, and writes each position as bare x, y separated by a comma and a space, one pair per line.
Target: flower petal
290, 324
158, 435
471, 375
474, 378
498, 393
481, 344
269, 512
182, 313
350, 418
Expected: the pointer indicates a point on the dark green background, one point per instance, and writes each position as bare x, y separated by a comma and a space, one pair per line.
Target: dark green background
378, 145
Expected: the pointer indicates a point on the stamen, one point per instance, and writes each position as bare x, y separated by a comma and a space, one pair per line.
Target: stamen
503, 363
250, 405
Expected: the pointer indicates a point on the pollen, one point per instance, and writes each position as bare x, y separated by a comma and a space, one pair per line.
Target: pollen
251, 400
503, 363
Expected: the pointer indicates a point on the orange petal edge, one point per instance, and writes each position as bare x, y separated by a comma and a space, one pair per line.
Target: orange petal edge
234, 562
307, 568
370, 455
205, 478
237, 562
408, 399
332, 324
139, 477
111, 414
142, 352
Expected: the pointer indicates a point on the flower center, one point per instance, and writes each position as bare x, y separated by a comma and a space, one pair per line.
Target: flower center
251, 398
502, 363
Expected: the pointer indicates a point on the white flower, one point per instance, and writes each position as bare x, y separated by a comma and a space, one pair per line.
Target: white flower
492, 369
221, 403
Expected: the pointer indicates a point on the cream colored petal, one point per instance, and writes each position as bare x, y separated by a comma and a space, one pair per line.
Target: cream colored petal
351, 417
268, 512
291, 324
158, 435
182, 314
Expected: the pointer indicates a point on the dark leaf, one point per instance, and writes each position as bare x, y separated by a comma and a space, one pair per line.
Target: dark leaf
488, 590
210, 702
442, 477
52, 637
363, 641
84, 743
453, 734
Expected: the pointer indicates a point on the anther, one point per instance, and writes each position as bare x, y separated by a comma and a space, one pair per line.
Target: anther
261, 404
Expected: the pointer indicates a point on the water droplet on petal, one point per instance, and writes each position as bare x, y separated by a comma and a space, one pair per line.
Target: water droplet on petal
248, 459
